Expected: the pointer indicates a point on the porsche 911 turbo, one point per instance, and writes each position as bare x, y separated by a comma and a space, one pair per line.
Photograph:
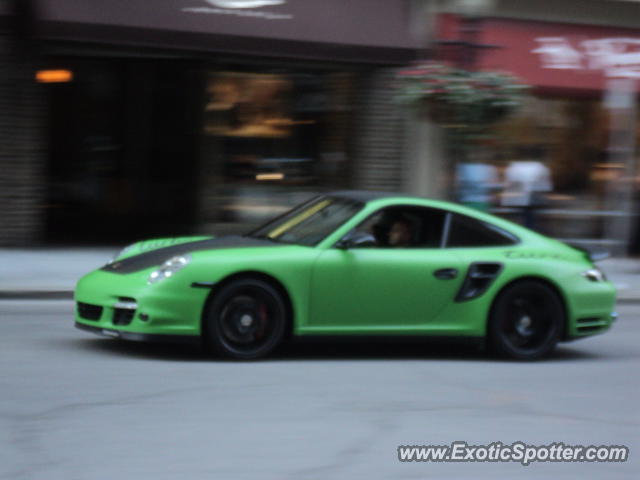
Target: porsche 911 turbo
353, 263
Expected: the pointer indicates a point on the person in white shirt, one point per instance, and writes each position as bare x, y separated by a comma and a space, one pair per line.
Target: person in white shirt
525, 184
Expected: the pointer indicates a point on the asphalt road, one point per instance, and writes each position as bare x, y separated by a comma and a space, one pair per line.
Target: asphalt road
76, 407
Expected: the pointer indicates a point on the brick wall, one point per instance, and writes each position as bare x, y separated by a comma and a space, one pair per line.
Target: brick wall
380, 136
22, 146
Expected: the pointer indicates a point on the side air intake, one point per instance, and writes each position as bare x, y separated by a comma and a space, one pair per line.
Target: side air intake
479, 278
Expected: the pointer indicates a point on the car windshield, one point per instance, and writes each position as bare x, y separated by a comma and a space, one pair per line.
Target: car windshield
309, 223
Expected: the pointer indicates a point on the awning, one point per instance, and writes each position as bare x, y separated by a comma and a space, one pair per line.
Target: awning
369, 31
553, 56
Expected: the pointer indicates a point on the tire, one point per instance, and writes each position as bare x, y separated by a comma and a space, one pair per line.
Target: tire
245, 320
526, 321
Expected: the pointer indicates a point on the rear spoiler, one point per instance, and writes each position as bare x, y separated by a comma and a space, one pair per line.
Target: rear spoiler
594, 255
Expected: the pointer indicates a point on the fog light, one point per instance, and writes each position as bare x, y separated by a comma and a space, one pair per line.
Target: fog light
144, 317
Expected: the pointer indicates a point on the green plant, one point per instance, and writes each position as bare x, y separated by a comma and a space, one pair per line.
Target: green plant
460, 98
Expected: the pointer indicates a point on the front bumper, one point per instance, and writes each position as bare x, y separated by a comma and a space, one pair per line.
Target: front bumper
126, 306
138, 337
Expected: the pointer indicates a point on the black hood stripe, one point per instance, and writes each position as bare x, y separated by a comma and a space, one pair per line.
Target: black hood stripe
153, 258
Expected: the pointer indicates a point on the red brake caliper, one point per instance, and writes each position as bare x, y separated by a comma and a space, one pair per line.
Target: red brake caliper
262, 310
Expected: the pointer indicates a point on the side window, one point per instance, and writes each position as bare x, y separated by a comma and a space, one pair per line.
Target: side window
405, 227
469, 232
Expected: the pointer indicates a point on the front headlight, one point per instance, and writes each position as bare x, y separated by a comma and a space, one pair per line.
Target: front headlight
168, 268
595, 275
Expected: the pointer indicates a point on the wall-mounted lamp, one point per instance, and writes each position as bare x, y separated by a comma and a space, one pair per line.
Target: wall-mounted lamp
54, 76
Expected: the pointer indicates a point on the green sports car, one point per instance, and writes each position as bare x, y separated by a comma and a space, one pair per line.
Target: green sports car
353, 263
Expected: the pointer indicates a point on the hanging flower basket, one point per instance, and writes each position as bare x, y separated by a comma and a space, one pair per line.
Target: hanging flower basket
459, 98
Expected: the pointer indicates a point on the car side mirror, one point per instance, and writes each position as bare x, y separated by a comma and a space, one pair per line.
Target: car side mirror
355, 239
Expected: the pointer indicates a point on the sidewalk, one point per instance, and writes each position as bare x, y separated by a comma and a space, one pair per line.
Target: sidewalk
625, 274
47, 272
53, 273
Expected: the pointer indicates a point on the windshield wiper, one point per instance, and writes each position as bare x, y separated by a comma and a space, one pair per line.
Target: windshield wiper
264, 237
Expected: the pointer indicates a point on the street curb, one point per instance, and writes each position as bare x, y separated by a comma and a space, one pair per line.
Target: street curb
36, 295
628, 301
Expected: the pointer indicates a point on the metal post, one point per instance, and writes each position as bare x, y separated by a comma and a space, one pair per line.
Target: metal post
620, 99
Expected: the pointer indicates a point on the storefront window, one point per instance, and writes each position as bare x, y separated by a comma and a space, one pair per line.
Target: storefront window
270, 141
572, 137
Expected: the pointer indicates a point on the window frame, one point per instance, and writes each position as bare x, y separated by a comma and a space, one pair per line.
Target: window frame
445, 213
501, 231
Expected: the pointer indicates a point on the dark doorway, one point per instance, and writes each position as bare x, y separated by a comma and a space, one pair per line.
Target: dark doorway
122, 156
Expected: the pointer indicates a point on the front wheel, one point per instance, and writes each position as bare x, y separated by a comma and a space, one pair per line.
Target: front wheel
526, 321
245, 320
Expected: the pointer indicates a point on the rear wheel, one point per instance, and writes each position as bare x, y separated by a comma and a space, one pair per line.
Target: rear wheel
526, 321
246, 320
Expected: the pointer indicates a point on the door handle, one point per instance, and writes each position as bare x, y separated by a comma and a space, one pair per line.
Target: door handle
446, 273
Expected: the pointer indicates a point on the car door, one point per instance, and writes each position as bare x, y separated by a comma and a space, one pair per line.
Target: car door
382, 289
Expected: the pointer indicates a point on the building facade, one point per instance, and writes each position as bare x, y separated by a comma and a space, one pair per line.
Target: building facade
582, 62
192, 115
204, 116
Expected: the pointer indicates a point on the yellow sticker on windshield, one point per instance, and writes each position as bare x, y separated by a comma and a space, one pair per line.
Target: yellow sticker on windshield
302, 216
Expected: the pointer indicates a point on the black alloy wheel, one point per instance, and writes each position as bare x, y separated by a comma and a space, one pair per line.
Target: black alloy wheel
246, 320
526, 321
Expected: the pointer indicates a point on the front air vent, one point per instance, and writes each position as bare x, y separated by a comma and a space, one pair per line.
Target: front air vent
124, 310
123, 316
88, 311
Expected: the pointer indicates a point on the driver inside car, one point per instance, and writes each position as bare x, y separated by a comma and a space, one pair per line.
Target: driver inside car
401, 233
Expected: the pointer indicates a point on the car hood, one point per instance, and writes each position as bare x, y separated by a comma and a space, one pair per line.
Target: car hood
157, 256
145, 246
